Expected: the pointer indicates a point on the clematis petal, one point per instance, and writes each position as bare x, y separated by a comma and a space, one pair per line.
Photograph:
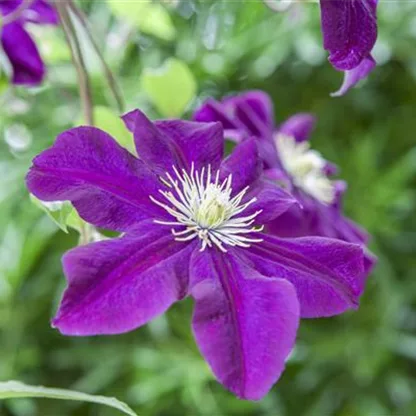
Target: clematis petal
349, 31
154, 147
201, 143
254, 111
244, 324
27, 65
176, 142
243, 164
353, 76
298, 126
271, 200
328, 274
42, 12
108, 186
313, 218
212, 110
117, 285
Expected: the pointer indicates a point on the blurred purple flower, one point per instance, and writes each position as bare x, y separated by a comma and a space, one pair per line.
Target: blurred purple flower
192, 224
27, 65
349, 30
290, 162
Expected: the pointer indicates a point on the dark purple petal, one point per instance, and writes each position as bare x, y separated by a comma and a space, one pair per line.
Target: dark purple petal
353, 76
349, 30
250, 113
328, 275
254, 111
199, 143
117, 285
312, 218
27, 65
41, 12
270, 199
108, 186
152, 145
243, 164
298, 126
244, 324
179, 143
212, 110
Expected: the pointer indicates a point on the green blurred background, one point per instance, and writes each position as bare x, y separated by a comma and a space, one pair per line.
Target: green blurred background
360, 364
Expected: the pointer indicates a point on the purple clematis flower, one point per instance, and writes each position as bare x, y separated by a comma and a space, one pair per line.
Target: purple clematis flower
192, 224
291, 163
26, 62
349, 30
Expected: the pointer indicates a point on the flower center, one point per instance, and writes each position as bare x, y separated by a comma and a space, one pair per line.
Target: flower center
204, 206
306, 168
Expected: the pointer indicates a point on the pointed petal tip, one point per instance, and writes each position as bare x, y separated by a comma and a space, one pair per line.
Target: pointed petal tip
355, 75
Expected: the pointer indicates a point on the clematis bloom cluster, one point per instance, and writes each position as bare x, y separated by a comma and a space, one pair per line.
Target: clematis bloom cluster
192, 223
290, 162
20, 49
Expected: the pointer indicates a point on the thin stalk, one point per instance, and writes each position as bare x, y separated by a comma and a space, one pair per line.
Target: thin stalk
86, 232
77, 60
114, 87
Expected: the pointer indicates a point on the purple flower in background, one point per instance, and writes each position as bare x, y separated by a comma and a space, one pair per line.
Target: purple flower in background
349, 30
193, 224
291, 163
27, 65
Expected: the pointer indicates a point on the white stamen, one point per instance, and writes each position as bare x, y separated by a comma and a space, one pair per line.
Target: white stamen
306, 167
204, 206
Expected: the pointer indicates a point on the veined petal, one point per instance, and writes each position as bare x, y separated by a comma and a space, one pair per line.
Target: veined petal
315, 219
243, 164
27, 65
108, 186
117, 285
244, 324
154, 147
312, 218
328, 274
349, 30
298, 126
163, 144
212, 110
201, 143
271, 200
354, 76
254, 111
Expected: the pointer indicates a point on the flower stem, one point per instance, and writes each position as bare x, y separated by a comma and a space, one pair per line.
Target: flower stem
62, 6
77, 60
112, 83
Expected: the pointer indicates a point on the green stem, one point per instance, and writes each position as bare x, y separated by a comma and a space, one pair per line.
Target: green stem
77, 60
84, 84
114, 87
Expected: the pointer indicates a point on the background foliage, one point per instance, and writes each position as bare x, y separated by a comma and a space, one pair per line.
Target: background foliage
360, 364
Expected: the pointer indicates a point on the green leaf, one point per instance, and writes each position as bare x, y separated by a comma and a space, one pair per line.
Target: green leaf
58, 211
75, 221
170, 87
16, 389
110, 122
149, 17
